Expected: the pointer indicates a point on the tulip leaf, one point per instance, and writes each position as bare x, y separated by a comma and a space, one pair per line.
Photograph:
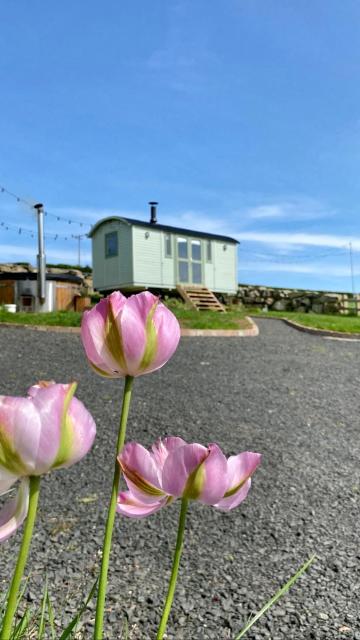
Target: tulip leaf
43, 612
66, 633
51, 616
276, 597
125, 630
22, 626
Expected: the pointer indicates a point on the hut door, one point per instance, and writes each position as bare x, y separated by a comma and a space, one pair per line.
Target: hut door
196, 266
189, 261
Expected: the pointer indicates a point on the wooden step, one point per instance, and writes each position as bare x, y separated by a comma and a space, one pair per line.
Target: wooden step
200, 298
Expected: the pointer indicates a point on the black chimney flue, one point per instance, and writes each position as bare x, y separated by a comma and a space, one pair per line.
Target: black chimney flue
153, 218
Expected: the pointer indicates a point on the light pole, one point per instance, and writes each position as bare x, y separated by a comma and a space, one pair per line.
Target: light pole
41, 258
78, 238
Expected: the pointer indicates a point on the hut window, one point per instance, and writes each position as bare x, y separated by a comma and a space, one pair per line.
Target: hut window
182, 248
208, 251
168, 245
111, 244
195, 250
196, 267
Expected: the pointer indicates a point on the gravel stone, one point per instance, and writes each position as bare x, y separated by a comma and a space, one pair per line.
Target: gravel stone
291, 396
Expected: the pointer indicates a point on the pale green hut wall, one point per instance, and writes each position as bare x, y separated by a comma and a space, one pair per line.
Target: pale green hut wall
209, 275
225, 267
151, 267
115, 271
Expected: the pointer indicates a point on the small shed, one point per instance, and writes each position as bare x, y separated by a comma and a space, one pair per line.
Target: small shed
133, 254
20, 287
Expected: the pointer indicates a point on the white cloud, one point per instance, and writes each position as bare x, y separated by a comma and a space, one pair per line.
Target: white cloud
91, 214
196, 220
289, 267
305, 239
19, 253
294, 209
266, 211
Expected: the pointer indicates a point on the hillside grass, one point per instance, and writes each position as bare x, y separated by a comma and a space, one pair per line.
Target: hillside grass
234, 318
53, 318
188, 318
191, 319
331, 322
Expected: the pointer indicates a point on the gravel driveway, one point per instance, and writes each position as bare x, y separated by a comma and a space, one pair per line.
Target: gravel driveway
295, 398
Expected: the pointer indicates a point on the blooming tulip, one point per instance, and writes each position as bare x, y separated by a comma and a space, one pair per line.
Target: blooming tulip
175, 469
125, 338
129, 336
46, 430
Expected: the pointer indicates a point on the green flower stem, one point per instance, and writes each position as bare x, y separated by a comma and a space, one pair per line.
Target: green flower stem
175, 569
99, 619
34, 488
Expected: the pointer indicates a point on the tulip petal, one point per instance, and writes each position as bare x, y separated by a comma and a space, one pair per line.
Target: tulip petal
141, 472
7, 479
13, 513
52, 404
20, 434
240, 468
138, 332
168, 336
162, 447
78, 434
179, 466
33, 390
215, 470
94, 327
129, 506
226, 504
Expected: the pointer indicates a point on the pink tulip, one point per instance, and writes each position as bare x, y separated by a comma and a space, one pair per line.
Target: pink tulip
46, 430
129, 336
174, 469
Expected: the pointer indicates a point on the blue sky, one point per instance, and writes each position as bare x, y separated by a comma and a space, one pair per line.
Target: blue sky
240, 117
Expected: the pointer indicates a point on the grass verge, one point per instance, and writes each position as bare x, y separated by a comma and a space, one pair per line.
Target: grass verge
191, 319
54, 318
188, 318
343, 324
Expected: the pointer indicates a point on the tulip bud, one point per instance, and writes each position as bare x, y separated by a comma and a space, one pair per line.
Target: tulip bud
47, 430
129, 336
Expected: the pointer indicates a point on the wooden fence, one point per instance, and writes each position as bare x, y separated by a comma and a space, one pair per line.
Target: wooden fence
350, 304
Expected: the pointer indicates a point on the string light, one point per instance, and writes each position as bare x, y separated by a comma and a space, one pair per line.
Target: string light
259, 255
47, 213
31, 232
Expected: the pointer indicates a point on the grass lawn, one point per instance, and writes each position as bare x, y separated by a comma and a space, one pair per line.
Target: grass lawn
188, 318
191, 319
54, 318
347, 324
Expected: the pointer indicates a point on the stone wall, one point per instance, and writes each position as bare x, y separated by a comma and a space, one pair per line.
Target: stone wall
276, 299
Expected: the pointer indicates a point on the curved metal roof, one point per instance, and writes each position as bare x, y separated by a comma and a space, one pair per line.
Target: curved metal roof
32, 275
162, 227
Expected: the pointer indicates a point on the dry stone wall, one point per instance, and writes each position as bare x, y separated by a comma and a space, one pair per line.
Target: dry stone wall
276, 299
